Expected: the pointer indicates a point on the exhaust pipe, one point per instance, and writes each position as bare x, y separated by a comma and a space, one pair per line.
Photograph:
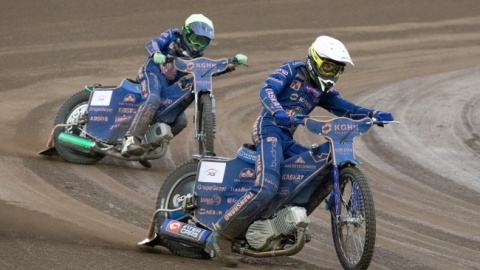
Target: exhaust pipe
289, 251
76, 142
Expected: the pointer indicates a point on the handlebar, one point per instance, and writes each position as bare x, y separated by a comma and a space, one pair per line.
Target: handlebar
381, 123
234, 61
299, 119
170, 58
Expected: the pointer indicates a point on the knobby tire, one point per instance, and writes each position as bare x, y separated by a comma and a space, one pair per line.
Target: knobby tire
206, 126
76, 104
355, 243
179, 183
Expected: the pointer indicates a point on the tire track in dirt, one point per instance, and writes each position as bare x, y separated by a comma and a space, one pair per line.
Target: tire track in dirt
421, 210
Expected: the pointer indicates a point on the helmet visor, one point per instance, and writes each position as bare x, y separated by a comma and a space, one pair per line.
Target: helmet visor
329, 68
198, 40
199, 33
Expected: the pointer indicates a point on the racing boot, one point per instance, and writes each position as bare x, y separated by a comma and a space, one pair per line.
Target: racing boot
220, 247
131, 147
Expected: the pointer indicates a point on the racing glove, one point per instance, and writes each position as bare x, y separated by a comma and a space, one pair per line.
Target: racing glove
282, 119
159, 58
383, 116
241, 58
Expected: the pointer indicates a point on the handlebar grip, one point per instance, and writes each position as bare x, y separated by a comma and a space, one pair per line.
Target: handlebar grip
169, 58
381, 123
233, 60
299, 118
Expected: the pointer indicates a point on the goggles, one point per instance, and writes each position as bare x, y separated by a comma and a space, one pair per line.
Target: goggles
329, 68
195, 39
199, 34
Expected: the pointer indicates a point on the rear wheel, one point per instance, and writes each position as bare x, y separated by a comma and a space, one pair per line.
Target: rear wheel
179, 183
206, 126
354, 232
72, 110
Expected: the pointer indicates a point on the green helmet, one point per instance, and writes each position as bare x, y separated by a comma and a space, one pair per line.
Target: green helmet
196, 35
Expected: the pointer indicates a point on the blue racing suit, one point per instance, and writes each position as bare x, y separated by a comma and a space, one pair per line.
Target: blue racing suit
164, 100
285, 89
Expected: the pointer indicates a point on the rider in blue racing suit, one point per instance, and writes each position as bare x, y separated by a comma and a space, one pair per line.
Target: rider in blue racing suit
296, 87
165, 95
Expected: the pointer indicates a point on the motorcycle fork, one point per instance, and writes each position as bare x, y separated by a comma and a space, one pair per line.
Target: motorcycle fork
196, 113
336, 190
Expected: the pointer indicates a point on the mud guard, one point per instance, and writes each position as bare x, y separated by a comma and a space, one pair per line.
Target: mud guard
349, 162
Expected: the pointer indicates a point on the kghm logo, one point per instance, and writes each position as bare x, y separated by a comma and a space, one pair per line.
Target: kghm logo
206, 65
345, 127
326, 128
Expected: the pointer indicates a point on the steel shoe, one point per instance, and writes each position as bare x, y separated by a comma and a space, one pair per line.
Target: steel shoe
220, 247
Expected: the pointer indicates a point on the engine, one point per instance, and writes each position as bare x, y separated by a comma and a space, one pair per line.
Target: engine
268, 234
156, 134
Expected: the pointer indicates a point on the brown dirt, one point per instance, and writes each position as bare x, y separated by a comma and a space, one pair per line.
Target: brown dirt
418, 59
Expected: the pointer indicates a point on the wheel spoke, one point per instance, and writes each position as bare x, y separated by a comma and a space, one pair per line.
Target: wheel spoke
354, 233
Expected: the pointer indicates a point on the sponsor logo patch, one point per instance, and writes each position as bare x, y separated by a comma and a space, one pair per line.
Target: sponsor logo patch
212, 172
101, 98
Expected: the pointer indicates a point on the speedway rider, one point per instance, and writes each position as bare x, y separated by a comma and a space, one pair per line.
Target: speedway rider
296, 87
165, 95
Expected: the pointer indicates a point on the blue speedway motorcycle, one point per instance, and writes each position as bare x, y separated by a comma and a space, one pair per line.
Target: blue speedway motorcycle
91, 124
199, 192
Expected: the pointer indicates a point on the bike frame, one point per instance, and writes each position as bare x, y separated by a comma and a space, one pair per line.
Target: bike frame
340, 133
222, 186
216, 174
202, 69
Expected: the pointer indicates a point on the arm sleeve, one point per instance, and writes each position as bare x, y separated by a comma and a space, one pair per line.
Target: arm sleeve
274, 84
335, 104
160, 43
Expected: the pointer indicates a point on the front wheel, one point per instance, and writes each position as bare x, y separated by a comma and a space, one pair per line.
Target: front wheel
72, 110
206, 125
354, 231
179, 183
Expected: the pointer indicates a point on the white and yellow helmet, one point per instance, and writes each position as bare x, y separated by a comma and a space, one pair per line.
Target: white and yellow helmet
326, 61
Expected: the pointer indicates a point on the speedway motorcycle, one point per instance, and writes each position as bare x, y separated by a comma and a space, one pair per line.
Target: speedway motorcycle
202, 190
91, 124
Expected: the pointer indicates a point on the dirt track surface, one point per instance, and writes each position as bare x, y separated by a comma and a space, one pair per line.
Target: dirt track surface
418, 59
